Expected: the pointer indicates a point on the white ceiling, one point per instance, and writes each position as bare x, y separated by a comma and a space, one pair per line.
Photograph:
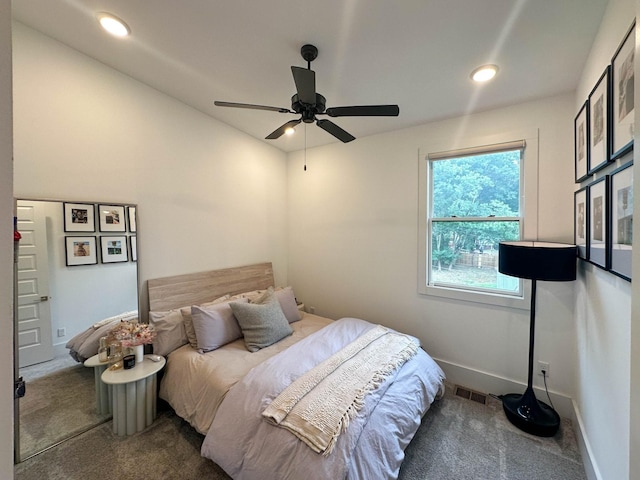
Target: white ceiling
414, 53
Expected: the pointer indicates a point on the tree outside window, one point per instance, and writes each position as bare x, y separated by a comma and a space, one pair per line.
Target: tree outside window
474, 204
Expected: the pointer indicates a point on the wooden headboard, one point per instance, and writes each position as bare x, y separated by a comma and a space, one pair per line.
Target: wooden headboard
196, 288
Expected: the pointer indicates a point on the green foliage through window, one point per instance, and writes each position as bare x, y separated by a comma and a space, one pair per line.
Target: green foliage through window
475, 204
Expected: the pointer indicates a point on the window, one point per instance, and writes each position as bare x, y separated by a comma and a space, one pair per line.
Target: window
472, 199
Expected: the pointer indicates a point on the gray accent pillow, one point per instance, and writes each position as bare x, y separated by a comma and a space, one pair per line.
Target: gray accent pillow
170, 332
262, 324
215, 325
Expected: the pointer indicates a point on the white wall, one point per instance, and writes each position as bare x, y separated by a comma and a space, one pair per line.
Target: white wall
208, 196
603, 307
353, 246
6, 239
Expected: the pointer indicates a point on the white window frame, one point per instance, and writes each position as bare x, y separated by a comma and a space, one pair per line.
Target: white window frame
528, 212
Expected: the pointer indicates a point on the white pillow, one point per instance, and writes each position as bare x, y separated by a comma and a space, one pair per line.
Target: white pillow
170, 331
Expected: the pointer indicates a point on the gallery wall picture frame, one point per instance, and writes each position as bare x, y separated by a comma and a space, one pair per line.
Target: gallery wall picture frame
112, 218
621, 218
598, 208
80, 251
114, 249
599, 123
131, 213
622, 100
581, 222
133, 245
79, 217
581, 142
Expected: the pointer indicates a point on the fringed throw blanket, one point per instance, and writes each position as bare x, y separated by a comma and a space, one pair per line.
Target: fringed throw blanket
318, 406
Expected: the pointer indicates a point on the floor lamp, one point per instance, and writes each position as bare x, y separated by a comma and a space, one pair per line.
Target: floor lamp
552, 262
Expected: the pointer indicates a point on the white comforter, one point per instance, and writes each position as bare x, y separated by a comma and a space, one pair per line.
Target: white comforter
248, 447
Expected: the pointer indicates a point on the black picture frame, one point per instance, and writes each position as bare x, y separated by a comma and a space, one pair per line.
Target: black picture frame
622, 98
114, 249
80, 250
621, 220
112, 218
598, 239
581, 142
599, 102
79, 217
581, 222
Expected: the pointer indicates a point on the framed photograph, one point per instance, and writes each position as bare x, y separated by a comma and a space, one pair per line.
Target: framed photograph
598, 222
622, 78
621, 215
133, 243
599, 113
114, 249
581, 134
112, 218
80, 251
131, 211
79, 217
581, 222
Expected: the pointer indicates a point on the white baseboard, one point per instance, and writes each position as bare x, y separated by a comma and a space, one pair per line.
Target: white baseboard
491, 384
487, 383
590, 466
60, 350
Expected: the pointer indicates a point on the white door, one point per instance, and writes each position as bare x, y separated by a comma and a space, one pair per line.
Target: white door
35, 344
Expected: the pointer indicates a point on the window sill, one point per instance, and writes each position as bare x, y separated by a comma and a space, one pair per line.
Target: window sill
494, 299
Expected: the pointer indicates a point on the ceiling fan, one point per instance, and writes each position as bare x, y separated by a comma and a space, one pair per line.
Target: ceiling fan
308, 104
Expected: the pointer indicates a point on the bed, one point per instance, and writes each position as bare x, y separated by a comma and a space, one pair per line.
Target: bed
85, 344
255, 407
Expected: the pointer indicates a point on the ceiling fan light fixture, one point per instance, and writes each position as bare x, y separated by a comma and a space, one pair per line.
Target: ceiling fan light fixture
113, 25
290, 131
484, 73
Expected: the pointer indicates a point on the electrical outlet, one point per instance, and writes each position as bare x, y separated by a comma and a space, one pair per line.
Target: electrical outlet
62, 332
543, 366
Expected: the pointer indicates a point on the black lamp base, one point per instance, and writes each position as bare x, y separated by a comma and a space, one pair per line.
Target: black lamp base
529, 414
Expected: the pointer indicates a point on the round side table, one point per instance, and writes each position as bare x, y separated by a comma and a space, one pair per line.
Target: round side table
103, 391
134, 395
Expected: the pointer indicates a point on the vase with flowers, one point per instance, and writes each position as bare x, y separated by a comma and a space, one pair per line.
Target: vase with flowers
133, 335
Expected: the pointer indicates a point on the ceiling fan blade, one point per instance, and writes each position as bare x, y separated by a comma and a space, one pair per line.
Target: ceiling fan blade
364, 111
335, 130
279, 131
305, 84
253, 107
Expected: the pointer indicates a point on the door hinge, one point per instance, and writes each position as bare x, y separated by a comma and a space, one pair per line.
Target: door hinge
20, 388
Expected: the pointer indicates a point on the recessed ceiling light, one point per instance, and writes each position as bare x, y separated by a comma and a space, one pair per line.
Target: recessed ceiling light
484, 73
289, 131
113, 25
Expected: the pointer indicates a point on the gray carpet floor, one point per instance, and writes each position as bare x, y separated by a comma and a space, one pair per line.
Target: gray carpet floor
458, 439
60, 402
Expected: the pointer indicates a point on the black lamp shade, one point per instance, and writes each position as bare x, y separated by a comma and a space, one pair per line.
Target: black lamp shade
554, 262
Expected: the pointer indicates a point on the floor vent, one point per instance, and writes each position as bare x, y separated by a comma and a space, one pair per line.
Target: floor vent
470, 394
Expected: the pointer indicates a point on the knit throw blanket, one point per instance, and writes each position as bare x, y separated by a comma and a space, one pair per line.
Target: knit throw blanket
318, 406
